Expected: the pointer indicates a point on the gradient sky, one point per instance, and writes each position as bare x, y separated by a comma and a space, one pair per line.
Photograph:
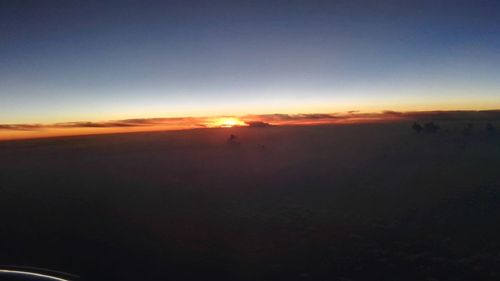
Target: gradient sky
71, 60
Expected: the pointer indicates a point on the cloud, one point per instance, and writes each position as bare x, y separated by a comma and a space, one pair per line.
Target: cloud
20, 127
454, 115
299, 116
139, 122
386, 115
257, 124
149, 121
280, 118
125, 123
93, 125
265, 120
393, 113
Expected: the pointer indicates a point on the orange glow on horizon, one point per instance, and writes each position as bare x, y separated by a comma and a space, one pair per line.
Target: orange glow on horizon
225, 122
31, 131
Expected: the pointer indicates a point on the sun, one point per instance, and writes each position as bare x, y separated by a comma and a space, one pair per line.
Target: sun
227, 122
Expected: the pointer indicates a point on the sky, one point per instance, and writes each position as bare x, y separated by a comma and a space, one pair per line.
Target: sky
70, 60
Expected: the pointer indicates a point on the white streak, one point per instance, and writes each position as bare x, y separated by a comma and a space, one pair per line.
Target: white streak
32, 274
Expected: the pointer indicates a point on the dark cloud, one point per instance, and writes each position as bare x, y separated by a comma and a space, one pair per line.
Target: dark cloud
277, 117
20, 127
456, 115
356, 116
149, 121
104, 124
293, 117
257, 124
126, 123
93, 125
318, 116
391, 112
461, 115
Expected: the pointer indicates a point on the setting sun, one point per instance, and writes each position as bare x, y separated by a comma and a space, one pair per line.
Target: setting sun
227, 122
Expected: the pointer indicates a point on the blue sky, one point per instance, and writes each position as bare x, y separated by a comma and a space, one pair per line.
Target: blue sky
99, 60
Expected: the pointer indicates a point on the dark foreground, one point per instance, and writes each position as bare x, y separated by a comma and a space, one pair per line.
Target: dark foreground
358, 202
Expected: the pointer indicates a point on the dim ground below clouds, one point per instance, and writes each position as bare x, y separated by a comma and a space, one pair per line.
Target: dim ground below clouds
298, 202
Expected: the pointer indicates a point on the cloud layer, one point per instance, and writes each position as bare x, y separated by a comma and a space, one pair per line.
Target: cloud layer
271, 119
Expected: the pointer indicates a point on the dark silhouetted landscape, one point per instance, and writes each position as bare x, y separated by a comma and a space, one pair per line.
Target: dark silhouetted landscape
329, 202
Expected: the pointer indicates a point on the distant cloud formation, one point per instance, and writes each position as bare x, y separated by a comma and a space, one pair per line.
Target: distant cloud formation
20, 127
106, 124
264, 120
451, 115
359, 117
92, 125
291, 117
257, 124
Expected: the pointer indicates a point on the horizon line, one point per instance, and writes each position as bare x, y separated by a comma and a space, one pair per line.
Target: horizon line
82, 128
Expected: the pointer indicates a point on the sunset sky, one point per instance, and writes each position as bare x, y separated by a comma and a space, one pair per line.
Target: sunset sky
72, 61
